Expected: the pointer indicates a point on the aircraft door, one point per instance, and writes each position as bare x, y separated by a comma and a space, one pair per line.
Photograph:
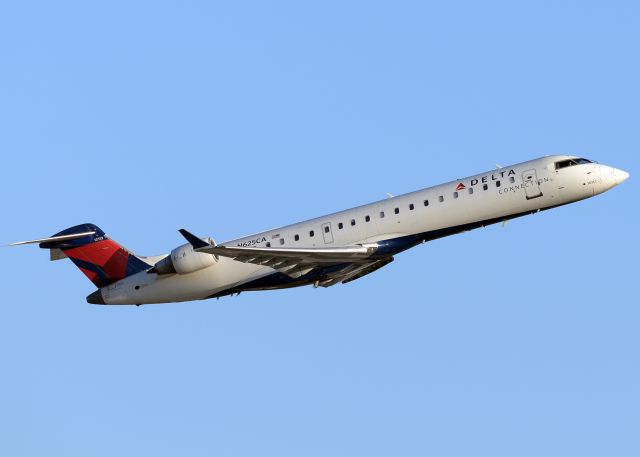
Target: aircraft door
327, 233
531, 185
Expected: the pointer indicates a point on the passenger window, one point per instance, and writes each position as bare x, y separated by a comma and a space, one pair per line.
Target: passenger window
485, 186
512, 180
426, 203
497, 183
455, 195
311, 234
268, 244
326, 229
381, 214
367, 218
397, 210
470, 190
353, 222
297, 237
440, 198
281, 240
411, 207
340, 225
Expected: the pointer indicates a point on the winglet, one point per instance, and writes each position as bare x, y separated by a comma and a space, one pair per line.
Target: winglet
194, 240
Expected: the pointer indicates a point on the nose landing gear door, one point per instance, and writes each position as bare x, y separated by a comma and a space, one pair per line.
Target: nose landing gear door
531, 185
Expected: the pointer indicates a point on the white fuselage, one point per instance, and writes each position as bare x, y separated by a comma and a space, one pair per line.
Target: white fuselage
396, 223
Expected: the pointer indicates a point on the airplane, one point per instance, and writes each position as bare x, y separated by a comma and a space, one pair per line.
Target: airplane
328, 250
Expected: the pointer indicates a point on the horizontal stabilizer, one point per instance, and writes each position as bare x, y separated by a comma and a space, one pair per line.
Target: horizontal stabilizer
54, 239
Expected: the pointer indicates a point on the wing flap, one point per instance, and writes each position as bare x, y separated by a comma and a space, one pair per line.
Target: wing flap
367, 269
354, 272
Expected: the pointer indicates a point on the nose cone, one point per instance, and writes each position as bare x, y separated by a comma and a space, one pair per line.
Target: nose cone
611, 177
96, 298
620, 176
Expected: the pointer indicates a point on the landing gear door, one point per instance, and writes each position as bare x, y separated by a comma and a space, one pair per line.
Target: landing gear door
531, 185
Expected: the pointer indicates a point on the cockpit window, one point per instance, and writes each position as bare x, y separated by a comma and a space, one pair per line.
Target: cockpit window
571, 162
565, 164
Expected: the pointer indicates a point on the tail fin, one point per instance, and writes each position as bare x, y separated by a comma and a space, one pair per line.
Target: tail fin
100, 258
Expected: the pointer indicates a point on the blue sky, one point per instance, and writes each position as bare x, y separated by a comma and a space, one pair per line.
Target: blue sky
145, 117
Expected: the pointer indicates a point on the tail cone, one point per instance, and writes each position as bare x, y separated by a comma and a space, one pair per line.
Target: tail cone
96, 298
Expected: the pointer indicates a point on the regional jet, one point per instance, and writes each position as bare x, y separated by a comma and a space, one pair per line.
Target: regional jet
328, 250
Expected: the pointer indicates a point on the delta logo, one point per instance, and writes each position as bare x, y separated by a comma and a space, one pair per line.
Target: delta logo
495, 176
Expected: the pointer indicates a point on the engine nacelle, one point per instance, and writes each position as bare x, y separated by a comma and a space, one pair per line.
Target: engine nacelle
184, 260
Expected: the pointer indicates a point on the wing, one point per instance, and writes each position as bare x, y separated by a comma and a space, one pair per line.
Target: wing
290, 261
294, 262
353, 272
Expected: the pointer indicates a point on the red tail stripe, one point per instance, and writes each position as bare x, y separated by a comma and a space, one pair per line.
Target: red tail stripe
98, 253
